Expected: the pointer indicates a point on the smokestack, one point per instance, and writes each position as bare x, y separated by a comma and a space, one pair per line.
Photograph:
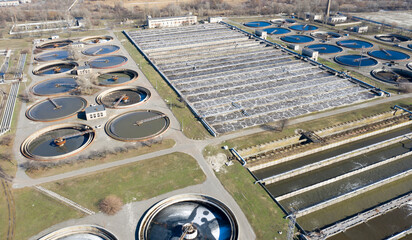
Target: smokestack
328, 9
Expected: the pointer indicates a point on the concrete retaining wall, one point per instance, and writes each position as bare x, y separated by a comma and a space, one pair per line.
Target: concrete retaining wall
352, 194
333, 160
332, 180
329, 146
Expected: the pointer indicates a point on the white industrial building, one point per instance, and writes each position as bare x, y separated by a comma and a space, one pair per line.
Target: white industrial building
337, 19
8, 3
171, 21
94, 112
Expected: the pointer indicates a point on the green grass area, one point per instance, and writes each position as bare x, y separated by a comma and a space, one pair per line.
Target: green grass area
36, 212
133, 182
192, 128
262, 212
267, 136
45, 172
4, 214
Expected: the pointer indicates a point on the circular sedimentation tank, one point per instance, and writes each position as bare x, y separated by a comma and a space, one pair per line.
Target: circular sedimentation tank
57, 142
108, 62
123, 97
393, 75
55, 68
258, 24
351, 43
55, 44
325, 35
392, 38
54, 109
101, 50
355, 60
297, 39
409, 65
410, 46
325, 48
116, 78
139, 125
82, 232
96, 39
277, 31
189, 216
53, 56
390, 55
303, 27
55, 87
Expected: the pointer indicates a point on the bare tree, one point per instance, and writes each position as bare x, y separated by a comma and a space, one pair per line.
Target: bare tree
111, 204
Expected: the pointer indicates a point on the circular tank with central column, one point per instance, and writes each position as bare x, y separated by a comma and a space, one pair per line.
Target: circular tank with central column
123, 97
57, 142
189, 217
55, 87
139, 125
55, 68
116, 78
80, 232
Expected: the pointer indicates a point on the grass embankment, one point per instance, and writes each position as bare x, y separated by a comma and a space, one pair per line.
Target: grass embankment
132, 182
262, 213
110, 157
192, 128
267, 136
35, 212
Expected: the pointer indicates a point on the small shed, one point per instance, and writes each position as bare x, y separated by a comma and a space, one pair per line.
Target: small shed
94, 112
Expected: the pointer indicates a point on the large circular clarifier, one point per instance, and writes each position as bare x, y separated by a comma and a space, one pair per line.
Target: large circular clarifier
57, 86
325, 35
350, 43
392, 38
123, 97
55, 44
393, 76
355, 60
189, 217
325, 48
137, 125
277, 31
389, 55
101, 50
108, 62
297, 39
57, 142
116, 78
257, 24
54, 109
53, 56
301, 27
82, 232
96, 39
55, 68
